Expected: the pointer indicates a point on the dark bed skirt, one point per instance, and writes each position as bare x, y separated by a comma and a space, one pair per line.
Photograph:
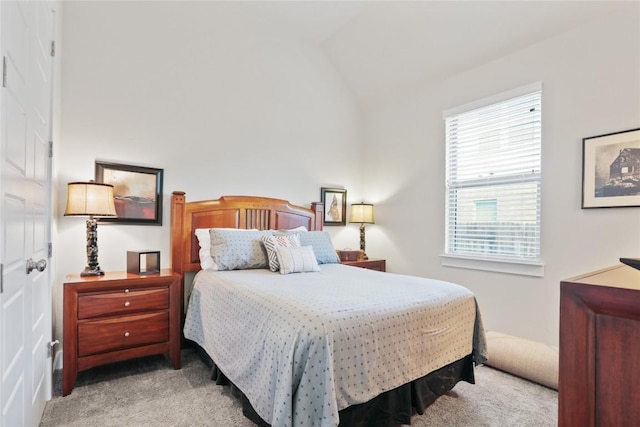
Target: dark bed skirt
392, 408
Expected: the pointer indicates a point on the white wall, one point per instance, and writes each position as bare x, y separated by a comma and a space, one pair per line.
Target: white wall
226, 105
153, 83
591, 79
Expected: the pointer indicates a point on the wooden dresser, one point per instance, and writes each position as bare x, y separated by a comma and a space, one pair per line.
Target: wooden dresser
599, 378
119, 316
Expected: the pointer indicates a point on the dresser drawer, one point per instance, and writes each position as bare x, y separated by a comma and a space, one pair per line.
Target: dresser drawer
122, 302
99, 336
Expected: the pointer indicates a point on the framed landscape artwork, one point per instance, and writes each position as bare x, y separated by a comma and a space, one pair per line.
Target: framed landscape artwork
335, 206
137, 192
611, 170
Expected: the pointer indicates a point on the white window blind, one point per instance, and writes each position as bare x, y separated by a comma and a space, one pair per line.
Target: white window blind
494, 178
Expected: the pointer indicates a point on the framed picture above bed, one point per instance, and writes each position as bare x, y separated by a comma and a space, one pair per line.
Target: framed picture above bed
335, 205
137, 192
611, 170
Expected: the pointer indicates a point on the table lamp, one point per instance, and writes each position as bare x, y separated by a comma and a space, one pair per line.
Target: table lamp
362, 213
90, 199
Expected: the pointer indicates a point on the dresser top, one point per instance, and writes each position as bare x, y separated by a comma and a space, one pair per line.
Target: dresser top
618, 276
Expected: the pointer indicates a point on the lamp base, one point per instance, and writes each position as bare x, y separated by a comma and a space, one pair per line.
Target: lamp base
93, 268
362, 242
92, 272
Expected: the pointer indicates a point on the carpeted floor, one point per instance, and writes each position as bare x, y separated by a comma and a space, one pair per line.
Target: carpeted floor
148, 392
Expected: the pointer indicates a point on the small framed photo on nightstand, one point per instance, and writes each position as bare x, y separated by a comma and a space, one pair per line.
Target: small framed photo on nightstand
143, 262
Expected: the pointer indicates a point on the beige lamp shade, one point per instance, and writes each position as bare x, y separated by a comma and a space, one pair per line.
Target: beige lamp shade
362, 213
90, 199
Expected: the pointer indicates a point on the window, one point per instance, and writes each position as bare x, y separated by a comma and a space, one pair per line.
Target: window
493, 182
486, 210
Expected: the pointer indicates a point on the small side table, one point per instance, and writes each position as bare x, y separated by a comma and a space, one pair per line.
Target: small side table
119, 316
371, 264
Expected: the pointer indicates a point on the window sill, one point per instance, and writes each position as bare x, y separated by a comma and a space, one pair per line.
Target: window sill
522, 268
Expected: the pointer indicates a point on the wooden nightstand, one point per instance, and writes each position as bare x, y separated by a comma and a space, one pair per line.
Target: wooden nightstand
371, 264
119, 316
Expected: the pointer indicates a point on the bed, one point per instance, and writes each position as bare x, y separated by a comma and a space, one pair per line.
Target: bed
327, 344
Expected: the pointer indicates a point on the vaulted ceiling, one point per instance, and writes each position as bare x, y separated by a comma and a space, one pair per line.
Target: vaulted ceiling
381, 45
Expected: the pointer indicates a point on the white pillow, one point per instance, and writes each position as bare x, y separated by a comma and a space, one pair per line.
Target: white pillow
271, 242
204, 239
301, 228
296, 259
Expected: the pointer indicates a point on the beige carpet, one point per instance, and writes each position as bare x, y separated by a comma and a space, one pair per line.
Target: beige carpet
148, 392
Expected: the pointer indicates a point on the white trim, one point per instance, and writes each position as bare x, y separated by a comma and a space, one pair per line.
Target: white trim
523, 268
57, 361
513, 93
521, 108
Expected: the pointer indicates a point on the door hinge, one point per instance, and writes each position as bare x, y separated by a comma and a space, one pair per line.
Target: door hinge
4, 71
50, 148
49, 250
53, 48
1, 278
50, 347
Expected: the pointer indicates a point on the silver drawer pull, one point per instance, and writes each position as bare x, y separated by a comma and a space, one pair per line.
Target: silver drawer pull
126, 334
127, 304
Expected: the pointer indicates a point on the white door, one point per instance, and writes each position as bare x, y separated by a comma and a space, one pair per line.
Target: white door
25, 213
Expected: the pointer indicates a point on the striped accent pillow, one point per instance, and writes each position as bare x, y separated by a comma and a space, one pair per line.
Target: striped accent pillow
296, 260
272, 242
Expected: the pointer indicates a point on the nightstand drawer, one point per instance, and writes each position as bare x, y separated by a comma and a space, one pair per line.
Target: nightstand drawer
99, 336
125, 301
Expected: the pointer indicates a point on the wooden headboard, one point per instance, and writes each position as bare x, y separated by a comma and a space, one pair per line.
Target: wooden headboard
262, 213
